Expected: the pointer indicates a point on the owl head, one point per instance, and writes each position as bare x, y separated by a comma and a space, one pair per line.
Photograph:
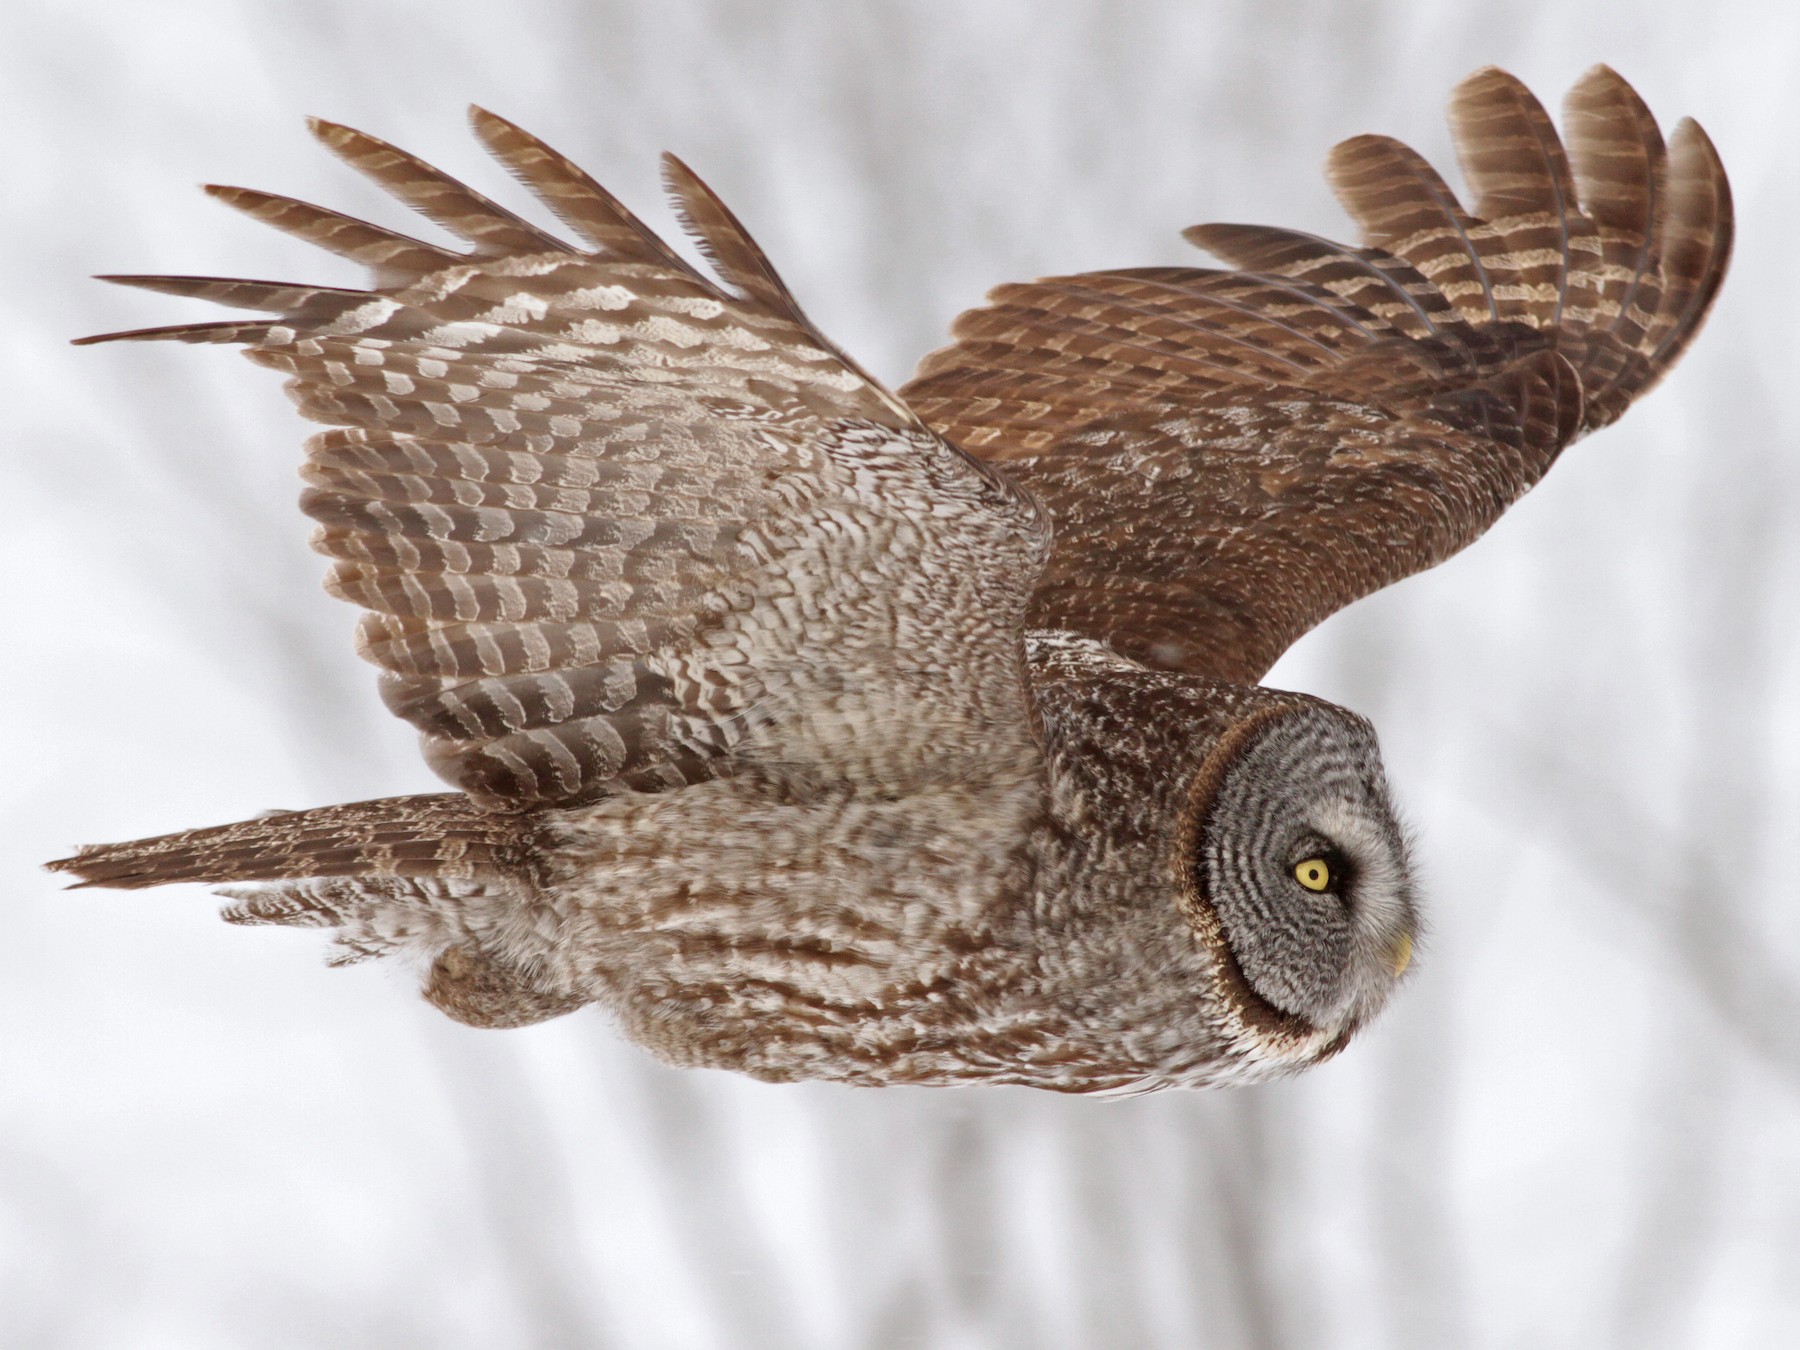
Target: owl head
1289, 914
1295, 874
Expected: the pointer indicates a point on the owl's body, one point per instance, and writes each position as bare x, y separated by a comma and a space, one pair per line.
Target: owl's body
818, 731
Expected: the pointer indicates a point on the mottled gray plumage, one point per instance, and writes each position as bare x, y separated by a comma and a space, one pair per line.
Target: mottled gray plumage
819, 731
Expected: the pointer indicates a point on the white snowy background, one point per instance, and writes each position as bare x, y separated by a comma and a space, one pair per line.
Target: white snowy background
1579, 1126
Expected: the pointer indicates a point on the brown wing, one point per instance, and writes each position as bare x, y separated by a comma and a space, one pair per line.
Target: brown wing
1230, 457
614, 523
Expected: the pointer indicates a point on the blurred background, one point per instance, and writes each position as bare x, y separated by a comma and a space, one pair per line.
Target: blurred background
1579, 1125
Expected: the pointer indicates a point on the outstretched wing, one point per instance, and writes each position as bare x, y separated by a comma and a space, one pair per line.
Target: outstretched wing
1230, 457
615, 523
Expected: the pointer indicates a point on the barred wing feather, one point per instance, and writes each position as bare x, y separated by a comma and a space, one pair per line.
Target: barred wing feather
1232, 456
615, 523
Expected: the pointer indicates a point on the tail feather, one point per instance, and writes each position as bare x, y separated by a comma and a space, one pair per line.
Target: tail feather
442, 836
373, 916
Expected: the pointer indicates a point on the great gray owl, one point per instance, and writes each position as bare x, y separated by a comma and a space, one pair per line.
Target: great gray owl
823, 731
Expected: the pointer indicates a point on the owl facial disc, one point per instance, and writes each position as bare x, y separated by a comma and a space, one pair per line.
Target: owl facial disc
1304, 863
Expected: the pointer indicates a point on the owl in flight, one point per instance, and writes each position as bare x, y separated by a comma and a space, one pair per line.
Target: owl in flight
823, 731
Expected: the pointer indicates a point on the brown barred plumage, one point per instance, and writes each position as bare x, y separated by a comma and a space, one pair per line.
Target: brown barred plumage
1389, 401
443, 835
823, 731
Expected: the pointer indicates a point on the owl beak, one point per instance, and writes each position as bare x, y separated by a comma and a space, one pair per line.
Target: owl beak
1401, 955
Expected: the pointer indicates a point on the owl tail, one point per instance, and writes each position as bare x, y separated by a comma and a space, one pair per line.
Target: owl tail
390, 875
442, 836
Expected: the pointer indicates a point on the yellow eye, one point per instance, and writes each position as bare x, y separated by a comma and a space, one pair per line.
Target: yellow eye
1313, 874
